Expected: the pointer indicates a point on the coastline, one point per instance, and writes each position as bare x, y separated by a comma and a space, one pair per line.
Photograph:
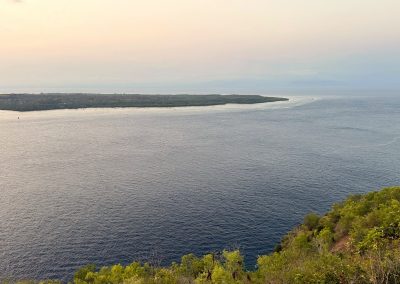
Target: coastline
293, 101
56, 101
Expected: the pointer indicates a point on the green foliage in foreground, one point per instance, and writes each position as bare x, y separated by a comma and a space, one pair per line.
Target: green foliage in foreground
357, 241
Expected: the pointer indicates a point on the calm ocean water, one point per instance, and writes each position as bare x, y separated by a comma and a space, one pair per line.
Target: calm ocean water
109, 186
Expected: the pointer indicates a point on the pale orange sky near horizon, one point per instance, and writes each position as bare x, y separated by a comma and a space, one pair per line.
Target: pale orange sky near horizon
71, 43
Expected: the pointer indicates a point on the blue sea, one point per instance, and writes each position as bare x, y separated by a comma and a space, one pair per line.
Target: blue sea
109, 186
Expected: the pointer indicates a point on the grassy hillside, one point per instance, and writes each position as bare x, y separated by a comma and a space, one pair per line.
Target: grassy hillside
357, 241
33, 102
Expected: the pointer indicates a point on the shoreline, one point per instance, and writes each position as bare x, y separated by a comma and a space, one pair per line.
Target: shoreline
293, 101
45, 102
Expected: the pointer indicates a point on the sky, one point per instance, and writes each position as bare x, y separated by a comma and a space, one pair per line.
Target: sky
167, 46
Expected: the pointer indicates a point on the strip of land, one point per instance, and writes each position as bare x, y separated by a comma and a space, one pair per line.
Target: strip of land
38, 102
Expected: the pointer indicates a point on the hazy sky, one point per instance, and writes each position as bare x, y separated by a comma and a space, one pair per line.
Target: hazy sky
198, 45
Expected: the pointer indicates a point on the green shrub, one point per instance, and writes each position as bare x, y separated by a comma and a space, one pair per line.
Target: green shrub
357, 241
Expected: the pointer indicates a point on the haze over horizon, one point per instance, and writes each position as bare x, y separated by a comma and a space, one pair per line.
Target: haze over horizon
159, 46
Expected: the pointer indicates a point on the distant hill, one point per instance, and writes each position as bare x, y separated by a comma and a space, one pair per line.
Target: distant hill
37, 102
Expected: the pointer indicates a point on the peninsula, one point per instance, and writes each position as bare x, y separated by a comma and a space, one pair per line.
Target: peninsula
51, 101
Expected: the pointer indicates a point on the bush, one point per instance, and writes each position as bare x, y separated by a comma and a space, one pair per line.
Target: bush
312, 253
311, 221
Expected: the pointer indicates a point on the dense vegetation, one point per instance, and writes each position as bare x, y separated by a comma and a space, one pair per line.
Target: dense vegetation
32, 102
357, 241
